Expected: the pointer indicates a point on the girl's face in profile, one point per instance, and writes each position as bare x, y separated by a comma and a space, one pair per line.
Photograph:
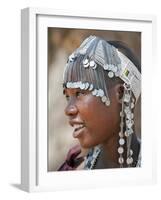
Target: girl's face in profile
93, 123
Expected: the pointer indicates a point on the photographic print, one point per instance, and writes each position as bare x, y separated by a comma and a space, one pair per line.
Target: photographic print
101, 137
85, 100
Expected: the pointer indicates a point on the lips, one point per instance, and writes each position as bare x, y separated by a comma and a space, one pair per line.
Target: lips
78, 128
77, 133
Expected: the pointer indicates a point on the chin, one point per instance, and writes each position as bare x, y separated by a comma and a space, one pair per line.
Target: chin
87, 144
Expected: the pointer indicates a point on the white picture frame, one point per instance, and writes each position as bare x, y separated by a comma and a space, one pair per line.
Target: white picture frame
34, 173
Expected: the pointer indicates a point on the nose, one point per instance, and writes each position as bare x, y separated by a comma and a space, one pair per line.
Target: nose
71, 109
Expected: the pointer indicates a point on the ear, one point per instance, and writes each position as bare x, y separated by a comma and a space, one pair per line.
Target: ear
119, 91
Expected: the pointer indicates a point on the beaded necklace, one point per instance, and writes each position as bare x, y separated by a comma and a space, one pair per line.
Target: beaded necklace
92, 157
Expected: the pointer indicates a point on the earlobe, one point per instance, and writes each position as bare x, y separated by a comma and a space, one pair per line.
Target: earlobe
119, 92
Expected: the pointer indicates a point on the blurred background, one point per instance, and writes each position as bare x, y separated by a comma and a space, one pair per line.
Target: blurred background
61, 43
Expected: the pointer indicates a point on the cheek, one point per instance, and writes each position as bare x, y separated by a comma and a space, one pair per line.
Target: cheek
97, 118
101, 121
95, 113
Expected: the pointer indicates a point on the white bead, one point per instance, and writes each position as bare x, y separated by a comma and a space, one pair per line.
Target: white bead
121, 134
129, 160
94, 66
106, 67
94, 92
114, 69
68, 84
101, 93
82, 51
85, 61
120, 150
104, 99
129, 123
133, 100
92, 63
131, 152
127, 134
75, 85
79, 84
86, 65
121, 114
110, 67
121, 141
91, 87
72, 85
128, 115
126, 109
82, 86
107, 103
97, 95
132, 105
132, 115
110, 74
86, 86
127, 98
117, 73
71, 57
121, 160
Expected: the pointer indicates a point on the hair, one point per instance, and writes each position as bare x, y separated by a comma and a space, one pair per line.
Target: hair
75, 71
122, 47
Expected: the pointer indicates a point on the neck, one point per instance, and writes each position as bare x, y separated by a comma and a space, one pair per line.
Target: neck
109, 154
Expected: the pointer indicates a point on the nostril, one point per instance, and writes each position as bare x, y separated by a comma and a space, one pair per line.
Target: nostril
71, 110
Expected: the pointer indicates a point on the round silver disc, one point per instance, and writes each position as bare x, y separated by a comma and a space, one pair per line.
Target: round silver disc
104, 98
121, 141
120, 150
91, 87
86, 65
106, 67
121, 160
110, 74
121, 134
82, 86
101, 92
94, 92
85, 61
129, 160
107, 103
92, 63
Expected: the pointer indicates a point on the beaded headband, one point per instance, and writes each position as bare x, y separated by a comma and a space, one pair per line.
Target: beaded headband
96, 56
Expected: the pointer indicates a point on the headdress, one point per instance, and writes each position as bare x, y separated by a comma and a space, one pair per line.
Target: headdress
95, 56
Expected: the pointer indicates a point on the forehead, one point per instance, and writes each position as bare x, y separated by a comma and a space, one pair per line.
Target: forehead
73, 90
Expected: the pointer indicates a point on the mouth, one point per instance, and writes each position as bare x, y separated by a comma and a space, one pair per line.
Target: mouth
78, 130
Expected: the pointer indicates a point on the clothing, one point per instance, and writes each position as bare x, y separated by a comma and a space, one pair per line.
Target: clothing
72, 160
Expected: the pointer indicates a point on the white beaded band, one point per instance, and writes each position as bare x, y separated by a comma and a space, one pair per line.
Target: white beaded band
88, 86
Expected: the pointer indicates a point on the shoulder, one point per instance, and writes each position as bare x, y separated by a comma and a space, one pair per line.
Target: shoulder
71, 161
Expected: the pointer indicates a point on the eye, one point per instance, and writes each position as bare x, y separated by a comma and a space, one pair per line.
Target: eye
80, 93
67, 97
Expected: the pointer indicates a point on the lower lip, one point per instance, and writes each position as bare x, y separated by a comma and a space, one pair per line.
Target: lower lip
78, 133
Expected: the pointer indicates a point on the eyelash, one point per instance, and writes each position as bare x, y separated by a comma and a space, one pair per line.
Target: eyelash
77, 94
80, 93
